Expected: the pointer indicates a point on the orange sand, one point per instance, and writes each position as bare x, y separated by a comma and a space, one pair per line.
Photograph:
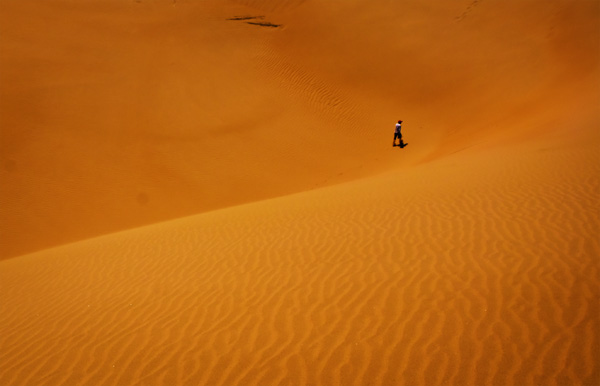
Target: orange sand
191, 200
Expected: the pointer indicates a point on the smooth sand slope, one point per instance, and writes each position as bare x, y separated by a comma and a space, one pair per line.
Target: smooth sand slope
117, 114
302, 249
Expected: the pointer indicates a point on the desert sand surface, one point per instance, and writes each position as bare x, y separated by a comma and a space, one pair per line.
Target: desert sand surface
187, 198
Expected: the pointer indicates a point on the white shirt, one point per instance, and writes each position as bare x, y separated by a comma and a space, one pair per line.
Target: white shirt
398, 128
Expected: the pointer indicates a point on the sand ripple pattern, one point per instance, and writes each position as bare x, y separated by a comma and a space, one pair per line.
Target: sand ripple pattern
484, 280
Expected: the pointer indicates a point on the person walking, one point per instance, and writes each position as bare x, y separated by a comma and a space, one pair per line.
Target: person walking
398, 135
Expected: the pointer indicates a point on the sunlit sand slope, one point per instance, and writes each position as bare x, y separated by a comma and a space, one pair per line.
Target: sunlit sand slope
479, 269
117, 114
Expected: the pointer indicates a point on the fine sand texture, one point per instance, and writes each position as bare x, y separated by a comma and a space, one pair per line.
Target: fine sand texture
205, 192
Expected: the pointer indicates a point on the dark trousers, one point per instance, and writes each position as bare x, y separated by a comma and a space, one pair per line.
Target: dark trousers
398, 136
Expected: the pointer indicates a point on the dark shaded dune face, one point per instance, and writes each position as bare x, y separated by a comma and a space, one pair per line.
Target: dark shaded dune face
271, 5
120, 114
466, 69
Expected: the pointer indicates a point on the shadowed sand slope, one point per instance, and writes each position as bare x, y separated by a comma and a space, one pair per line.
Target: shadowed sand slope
117, 114
481, 269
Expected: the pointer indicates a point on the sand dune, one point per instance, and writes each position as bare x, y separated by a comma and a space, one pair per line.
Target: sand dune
189, 199
110, 109
439, 278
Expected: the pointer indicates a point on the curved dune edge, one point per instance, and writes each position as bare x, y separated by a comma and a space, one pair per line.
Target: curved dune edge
481, 269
